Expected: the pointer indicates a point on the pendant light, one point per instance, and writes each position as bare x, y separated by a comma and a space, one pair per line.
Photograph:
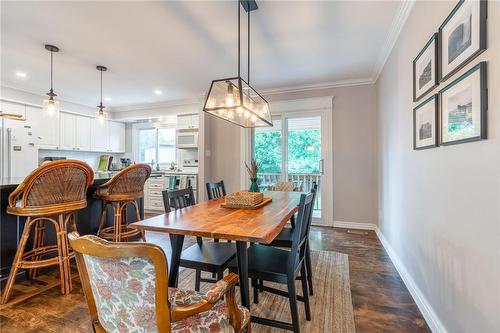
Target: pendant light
233, 99
100, 108
50, 105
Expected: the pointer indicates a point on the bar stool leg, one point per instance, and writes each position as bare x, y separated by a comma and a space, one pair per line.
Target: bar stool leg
118, 222
138, 217
62, 246
104, 214
17, 261
39, 235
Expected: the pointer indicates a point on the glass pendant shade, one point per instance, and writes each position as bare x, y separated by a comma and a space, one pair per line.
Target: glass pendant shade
234, 100
51, 106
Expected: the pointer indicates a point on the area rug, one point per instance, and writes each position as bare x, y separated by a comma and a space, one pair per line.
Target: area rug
331, 305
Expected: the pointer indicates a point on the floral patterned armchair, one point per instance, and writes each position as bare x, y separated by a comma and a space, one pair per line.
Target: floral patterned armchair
125, 285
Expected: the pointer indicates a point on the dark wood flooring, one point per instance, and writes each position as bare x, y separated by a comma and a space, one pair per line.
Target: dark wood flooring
380, 299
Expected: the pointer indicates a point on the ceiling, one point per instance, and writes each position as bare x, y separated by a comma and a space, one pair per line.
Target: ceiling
179, 47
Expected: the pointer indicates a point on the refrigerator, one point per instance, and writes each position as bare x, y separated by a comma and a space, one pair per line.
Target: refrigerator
18, 149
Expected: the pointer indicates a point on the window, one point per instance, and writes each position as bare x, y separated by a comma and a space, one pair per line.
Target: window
157, 145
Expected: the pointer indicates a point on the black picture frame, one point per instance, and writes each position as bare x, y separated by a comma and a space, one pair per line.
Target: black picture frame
435, 39
433, 99
482, 67
483, 16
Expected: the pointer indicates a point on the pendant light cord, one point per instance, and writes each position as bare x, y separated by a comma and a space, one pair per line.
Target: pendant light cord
101, 87
248, 41
238, 6
51, 68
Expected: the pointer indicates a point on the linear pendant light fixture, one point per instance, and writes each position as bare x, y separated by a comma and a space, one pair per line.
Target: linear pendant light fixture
50, 105
100, 108
233, 99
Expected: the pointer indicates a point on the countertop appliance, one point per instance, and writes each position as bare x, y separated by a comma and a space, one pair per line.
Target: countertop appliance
18, 148
187, 139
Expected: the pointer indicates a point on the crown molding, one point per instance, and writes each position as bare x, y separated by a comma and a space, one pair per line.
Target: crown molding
397, 25
316, 86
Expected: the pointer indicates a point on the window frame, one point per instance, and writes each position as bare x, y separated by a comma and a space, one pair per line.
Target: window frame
157, 143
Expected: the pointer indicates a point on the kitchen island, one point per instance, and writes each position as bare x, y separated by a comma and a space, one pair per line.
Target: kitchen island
87, 219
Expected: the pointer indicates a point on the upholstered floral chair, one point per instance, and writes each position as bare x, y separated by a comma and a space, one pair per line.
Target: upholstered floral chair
125, 285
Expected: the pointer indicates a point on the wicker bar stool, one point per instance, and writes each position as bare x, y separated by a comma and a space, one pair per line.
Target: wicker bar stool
119, 192
51, 194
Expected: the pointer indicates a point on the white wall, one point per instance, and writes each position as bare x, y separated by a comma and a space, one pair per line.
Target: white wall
439, 209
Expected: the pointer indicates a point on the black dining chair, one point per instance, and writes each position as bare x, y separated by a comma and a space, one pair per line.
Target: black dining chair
268, 263
216, 190
203, 256
285, 239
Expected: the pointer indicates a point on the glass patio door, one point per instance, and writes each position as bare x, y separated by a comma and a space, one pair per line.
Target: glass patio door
292, 151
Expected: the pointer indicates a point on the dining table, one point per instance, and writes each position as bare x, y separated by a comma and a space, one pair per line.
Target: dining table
210, 220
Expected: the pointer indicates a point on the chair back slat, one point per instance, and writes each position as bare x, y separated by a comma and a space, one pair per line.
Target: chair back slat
178, 198
216, 190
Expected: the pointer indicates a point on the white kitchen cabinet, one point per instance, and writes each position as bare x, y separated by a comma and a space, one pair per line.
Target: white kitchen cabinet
99, 135
67, 125
83, 133
45, 126
116, 137
13, 108
188, 121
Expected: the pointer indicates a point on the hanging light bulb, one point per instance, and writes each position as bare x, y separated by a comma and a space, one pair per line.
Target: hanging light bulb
101, 114
230, 95
50, 105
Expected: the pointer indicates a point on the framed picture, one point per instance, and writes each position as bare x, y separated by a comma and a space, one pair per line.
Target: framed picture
462, 36
425, 124
425, 69
464, 104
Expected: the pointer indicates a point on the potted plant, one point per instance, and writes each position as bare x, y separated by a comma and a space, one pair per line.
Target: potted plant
252, 172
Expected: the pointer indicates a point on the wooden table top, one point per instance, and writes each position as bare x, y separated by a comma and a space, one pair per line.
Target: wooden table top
209, 219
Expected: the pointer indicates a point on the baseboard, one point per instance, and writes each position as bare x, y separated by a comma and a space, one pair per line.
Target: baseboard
354, 225
425, 308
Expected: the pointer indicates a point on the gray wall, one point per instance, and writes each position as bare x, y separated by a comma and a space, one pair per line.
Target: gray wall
354, 151
440, 208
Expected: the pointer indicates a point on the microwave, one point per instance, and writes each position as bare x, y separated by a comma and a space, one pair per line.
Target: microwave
187, 139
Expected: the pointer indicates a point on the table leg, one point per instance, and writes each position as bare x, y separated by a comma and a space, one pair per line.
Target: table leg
241, 254
176, 242
292, 221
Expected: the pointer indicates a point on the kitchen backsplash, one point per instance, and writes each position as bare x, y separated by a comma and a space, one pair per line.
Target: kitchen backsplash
91, 158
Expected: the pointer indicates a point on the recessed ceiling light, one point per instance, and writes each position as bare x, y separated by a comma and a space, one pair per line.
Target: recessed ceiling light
158, 92
21, 75
107, 99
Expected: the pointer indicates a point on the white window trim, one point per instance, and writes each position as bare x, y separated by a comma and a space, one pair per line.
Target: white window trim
135, 139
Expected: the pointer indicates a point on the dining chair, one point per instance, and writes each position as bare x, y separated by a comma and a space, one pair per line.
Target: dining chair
284, 186
126, 289
118, 193
206, 256
268, 263
285, 239
215, 190
48, 196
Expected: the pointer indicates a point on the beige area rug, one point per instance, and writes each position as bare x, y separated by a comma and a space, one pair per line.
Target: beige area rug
331, 305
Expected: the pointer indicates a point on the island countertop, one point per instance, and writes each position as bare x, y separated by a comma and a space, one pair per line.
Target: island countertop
11, 183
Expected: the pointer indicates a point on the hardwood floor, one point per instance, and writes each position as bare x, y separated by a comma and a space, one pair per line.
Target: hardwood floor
380, 299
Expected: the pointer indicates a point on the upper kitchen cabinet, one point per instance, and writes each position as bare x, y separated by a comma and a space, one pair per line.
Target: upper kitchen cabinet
98, 135
46, 127
13, 108
116, 137
188, 121
83, 133
67, 125
74, 132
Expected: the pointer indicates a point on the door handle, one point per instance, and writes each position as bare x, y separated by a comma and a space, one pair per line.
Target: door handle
322, 166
